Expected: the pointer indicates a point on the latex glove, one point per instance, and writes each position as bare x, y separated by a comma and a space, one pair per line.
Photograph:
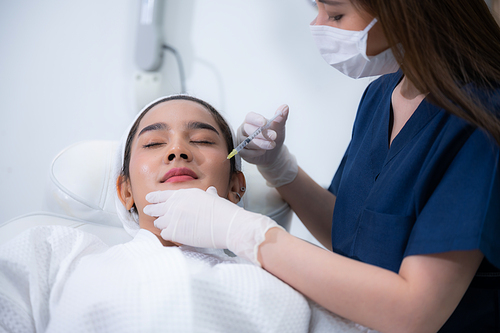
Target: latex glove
203, 219
267, 150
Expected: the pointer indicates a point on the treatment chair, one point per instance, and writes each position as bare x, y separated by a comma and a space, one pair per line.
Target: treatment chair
81, 194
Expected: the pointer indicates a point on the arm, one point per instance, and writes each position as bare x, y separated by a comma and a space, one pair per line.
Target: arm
313, 205
418, 299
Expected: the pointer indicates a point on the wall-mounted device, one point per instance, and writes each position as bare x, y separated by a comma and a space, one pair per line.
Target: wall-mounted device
150, 47
148, 53
149, 43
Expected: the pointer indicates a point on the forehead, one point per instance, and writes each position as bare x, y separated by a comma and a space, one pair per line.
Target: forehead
178, 113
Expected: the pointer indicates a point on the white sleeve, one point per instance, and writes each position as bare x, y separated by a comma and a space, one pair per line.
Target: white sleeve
33, 268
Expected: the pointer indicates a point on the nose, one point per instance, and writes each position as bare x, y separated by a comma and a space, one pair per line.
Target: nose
322, 17
178, 152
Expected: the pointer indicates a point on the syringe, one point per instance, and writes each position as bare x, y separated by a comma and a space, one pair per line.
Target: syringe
252, 136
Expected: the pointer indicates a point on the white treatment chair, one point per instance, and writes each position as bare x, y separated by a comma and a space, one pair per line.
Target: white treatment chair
81, 194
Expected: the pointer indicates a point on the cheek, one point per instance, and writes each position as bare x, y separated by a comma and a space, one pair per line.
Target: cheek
140, 170
220, 168
142, 179
220, 164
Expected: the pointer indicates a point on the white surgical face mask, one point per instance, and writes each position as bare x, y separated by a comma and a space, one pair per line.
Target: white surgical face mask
345, 50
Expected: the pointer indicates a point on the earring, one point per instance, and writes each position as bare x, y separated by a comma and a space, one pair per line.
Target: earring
238, 195
242, 189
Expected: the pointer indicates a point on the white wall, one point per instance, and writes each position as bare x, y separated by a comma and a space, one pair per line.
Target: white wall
67, 74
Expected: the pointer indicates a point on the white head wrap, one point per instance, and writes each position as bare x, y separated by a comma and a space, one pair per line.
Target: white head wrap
130, 219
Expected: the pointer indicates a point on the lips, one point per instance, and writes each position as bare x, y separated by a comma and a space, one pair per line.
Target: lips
179, 175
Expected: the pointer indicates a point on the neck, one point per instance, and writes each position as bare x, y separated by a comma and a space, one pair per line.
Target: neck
150, 226
408, 90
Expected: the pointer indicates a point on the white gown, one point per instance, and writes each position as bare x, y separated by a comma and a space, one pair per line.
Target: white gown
59, 279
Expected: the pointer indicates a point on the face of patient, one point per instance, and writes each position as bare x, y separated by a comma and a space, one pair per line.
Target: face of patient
178, 145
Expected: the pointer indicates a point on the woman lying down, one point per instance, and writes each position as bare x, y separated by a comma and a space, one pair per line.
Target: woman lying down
59, 279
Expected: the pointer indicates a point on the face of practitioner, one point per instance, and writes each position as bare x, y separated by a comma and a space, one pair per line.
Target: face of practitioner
178, 145
344, 15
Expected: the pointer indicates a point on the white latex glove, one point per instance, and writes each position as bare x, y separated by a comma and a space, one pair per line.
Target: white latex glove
267, 150
203, 219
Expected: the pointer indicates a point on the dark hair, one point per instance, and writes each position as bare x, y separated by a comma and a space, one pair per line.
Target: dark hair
449, 49
226, 132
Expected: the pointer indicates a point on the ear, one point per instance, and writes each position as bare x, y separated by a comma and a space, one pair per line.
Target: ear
237, 187
124, 191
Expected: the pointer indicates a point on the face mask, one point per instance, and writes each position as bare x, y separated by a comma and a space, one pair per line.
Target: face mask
346, 51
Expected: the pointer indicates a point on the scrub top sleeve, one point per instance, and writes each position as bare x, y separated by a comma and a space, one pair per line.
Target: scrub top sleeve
463, 212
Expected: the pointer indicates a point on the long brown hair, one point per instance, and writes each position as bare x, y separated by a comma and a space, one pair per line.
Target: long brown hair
450, 48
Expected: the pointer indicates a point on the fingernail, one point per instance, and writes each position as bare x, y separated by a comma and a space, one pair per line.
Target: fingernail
272, 135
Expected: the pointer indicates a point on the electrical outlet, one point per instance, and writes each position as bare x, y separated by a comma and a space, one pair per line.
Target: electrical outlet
147, 88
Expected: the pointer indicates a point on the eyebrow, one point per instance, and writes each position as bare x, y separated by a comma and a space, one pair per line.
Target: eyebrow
165, 127
200, 125
154, 127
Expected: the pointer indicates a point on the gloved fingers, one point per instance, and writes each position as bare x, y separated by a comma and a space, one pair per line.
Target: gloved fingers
248, 129
265, 139
161, 223
212, 191
258, 143
279, 123
261, 141
284, 110
255, 119
167, 233
258, 120
249, 154
159, 196
156, 210
252, 122
267, 134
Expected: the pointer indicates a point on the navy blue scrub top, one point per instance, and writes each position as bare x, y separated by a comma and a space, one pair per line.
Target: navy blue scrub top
435, 189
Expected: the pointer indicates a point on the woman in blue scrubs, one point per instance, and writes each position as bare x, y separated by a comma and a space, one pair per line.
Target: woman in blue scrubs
412, 216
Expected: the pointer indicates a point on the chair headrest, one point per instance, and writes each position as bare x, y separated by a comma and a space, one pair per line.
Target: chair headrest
80, 183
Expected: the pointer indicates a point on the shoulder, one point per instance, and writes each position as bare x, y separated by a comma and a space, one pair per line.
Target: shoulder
49, 241
488, 97
39, 260
53, 234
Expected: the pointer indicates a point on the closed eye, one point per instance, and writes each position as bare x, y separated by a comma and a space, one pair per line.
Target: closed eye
152, 144
203, 142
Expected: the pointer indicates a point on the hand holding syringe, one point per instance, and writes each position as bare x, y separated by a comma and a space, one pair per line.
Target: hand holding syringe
252, 136
268, 152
